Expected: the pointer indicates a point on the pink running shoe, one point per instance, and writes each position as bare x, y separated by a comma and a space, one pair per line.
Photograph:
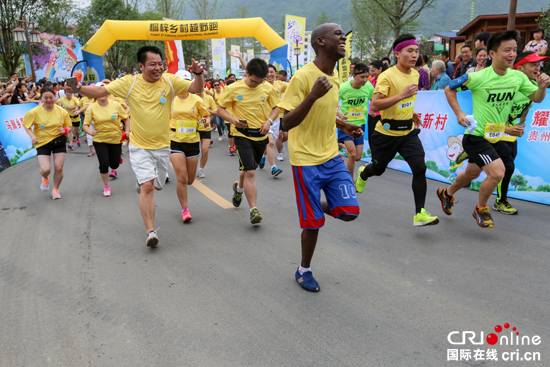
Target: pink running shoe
107, 191
121, 160
186, 215
113, 174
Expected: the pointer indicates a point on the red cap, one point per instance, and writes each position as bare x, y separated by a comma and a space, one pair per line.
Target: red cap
531, 58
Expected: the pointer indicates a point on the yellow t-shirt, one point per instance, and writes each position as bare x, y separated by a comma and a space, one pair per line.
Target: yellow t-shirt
209, 103
150, 105
390, 83
251, 104
84, 101
216, 95
46, 123
313, 142
69, 105
106, 121
186, 118
280, 88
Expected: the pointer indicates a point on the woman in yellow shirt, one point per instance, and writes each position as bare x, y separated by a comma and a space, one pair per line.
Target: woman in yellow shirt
188, 114
50, 124
105, 115
70, 104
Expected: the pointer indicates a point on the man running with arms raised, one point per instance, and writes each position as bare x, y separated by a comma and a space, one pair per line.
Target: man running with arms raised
150, 96
310, 105
493, 90
394, 96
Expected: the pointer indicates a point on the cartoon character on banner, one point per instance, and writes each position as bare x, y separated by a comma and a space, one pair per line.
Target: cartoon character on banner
455, 149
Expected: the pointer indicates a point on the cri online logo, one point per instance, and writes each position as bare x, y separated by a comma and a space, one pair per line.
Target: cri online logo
492, 338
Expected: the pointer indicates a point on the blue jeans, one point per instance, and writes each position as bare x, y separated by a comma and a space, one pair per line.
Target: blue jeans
221, 124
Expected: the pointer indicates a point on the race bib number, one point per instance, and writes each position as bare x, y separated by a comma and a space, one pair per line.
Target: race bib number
494, 132
406, 105
356, 113
186, 129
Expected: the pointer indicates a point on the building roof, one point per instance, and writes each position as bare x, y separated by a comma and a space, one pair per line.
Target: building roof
480, 18
449, 35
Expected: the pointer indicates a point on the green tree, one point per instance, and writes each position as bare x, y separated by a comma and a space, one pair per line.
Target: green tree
518, 181
371, 36
50, 16
431, 165
323, 18
401, 15
171, 9
544, 23
543, 188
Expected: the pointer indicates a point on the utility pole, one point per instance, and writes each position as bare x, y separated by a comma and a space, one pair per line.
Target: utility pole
512, 15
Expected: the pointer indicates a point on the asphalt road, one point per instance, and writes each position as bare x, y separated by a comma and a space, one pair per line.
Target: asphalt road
78, 286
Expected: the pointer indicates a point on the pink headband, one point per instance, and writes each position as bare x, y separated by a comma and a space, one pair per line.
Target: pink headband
404, 44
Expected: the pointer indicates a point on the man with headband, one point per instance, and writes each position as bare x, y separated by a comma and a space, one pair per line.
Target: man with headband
493, 95
528, 63
395, 96
355, 95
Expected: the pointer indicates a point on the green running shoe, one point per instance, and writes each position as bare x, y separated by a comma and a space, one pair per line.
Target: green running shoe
237, 196
505, 207
360, 183
425, 219
255, 216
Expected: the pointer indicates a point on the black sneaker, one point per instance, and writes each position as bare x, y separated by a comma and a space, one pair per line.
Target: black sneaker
446, 204
237, 196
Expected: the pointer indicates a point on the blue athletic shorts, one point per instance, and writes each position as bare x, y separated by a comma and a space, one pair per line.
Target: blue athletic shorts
335, 180
342, 137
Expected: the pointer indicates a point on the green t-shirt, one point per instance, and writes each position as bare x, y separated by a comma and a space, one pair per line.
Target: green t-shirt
493, 97
355, 102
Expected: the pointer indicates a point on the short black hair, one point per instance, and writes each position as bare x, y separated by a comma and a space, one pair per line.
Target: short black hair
523, 55
271, 66
45, 90
283, 73
402, 38
229, 82
445, 53
470, 47
378, 64
538, 30
257, 67
230, 75
483, 36
497, 38
426, 58
459, 57
12, 74
360, 68
481, 49
353, 63
142, 53
385, 58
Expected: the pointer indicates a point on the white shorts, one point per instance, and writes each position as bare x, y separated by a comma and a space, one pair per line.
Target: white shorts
274, 129
150, 164
90, 138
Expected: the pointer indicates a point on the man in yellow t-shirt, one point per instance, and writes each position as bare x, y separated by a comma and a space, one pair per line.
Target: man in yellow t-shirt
254, 107
150, 97
395, 96
310, 104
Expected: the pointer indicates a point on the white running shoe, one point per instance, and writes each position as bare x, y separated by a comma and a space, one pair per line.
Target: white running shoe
44, 187
200, 173
152, 239
280, 157
107, 191
220, 138
56, 195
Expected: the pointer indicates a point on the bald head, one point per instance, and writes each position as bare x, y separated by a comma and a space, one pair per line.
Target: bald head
322, 31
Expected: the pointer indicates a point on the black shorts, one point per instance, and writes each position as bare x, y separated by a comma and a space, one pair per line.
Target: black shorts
190, 150
205, 134
76, 124
56, 145
228, 126
385, 147
250, 152
479, 150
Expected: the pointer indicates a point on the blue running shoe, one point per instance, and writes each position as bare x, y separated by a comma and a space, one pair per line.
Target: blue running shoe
307, 281
276, 171
262, 162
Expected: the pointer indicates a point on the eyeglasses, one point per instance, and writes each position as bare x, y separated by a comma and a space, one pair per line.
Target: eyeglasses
216, 85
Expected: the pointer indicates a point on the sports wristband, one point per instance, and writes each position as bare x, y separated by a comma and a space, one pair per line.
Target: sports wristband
202, 72
270, 120
66, 131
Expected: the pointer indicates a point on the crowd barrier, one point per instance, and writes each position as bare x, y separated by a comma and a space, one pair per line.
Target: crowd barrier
441, 137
